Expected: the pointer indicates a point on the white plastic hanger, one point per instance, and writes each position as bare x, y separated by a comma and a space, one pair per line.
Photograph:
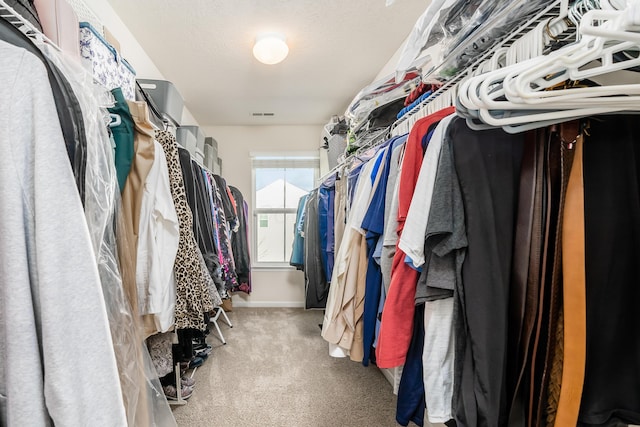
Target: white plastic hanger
570, 64
522, 85
115, 120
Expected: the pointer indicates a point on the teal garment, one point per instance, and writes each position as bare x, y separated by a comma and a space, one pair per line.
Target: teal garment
297, 252
123, 136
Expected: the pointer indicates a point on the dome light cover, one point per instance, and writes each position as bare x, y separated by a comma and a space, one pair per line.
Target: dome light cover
270, 48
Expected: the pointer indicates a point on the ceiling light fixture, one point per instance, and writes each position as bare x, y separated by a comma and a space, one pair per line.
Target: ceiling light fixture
270, 48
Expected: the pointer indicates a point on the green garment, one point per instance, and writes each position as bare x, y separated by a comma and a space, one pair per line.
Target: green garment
123, 136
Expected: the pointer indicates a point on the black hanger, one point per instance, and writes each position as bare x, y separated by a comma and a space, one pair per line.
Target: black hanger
160, 120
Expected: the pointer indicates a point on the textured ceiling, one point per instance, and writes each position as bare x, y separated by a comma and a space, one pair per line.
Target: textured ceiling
204, 47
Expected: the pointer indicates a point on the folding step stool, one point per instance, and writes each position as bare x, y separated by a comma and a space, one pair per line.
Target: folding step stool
214, 320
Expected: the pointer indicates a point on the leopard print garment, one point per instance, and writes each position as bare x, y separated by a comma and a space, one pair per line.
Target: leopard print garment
192, 294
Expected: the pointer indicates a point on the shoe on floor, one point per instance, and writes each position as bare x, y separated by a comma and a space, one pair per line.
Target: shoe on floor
203, 351
187, 381
172, 394
196, 362
200, 345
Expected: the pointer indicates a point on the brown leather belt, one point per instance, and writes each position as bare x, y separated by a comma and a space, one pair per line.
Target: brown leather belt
551, 197
574, 290
533, 245
543, 397
555, 332
521, 256
536, 294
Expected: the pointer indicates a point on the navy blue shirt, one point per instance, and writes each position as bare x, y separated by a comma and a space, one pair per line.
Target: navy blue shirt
373, 224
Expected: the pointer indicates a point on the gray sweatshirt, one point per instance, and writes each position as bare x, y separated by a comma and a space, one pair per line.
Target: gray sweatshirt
58, 364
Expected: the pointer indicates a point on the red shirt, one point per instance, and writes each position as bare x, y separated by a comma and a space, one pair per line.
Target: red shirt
396, 328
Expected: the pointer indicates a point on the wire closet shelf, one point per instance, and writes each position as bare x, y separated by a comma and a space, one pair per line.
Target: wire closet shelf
552, 11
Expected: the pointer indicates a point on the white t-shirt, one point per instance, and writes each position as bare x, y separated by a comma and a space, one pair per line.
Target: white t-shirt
438, 359
415, 227
158, 241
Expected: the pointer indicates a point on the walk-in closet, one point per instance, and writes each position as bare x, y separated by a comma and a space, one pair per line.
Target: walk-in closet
366, 213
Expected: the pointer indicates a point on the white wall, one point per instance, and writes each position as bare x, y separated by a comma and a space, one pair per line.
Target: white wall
279, 288
271, 288
130, 49
390, 66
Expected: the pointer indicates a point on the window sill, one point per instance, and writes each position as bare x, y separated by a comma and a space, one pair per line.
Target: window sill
272, 267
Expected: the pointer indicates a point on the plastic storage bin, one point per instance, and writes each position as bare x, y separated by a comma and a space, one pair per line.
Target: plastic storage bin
166, 97
106, 65
208, 159
192, 138
199, 156
60, 23
210, 153
200, 137
186, 139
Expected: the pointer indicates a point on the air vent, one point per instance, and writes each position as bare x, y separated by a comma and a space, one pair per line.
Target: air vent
263, 114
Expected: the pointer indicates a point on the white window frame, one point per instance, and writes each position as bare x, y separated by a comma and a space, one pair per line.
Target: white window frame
276, 159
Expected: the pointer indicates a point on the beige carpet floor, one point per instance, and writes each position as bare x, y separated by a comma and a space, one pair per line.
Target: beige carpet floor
275, 371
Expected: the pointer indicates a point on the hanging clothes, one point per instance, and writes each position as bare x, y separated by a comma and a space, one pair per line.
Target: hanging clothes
157, 248
214, 264
245, 209
326, 201
132, 197
192, 295
390, 236
144, 402
39, 340
397, 317
224, 207
444, 251
411, 396
488, 165
316, 286
203, 216
611, 190
297, 250
123, 136
240, 243
69, 112
339, 211
229, 208
343, 325
373, 225
189, 186
199, 201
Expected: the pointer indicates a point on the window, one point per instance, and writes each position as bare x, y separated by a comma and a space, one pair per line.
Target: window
279, 181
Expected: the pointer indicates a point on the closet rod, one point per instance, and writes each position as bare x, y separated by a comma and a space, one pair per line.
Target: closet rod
200, 164
26, 27
554, 10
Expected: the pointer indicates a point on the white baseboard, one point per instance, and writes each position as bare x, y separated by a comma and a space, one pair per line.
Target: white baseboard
393, 375
389, 375
268, 304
